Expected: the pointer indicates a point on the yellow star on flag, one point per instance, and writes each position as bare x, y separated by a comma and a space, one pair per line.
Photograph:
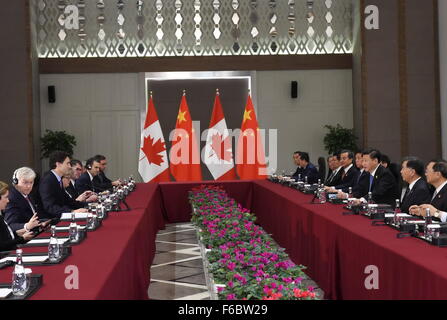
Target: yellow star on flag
247, 115
181, 117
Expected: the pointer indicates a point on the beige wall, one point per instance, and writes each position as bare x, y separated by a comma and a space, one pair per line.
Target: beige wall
102, 111
324, 97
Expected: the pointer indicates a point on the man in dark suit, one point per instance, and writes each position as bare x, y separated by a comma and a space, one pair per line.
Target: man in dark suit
416, 192
296, 161
436, 173
349, 173
309, 170
101, 181
23, 211
86, 180
9, 239
51, 190
382, 183
335, 177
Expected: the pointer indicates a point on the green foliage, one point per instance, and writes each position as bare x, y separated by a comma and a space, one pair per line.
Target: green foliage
57, 140
339, 138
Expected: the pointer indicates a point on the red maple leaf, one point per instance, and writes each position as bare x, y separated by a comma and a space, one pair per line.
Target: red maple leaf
152, 150
220, 147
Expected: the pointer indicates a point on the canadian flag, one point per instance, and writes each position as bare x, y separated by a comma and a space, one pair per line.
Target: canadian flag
250, 156
153, 165
218, 155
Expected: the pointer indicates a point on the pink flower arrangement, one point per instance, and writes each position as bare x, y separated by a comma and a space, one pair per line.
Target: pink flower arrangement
243, 256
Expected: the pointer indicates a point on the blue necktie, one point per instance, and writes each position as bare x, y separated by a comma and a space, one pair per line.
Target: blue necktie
371, 179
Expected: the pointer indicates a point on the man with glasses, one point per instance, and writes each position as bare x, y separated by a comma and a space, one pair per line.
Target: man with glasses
436, 173
417, 191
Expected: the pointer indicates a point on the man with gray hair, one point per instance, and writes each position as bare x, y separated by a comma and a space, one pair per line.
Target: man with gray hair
23, 211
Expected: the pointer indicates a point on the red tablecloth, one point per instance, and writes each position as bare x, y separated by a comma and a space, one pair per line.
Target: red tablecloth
176, 206
114, 261
335, 248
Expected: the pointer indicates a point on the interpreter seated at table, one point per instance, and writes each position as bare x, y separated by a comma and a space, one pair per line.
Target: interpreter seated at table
86, 181
309, 171
9, 239
335, 177
436, 173
23, 211
382, 184
349, 173
51, 190
416, 191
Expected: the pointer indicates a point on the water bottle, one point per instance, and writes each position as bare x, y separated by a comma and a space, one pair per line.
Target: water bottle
321, 194
396, 212
299, 177
427, 222
370, 202
19, 280
73, 229
350, 196
305, 180
54, 250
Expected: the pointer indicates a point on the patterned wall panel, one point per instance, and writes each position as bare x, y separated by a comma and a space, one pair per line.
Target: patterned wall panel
148, 28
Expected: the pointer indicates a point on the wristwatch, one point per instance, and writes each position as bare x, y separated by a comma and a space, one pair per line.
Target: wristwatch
437, 213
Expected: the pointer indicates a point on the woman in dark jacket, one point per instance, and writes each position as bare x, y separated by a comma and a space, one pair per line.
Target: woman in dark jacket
8, 238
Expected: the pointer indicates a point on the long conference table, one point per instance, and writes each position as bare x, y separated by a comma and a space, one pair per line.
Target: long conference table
338, 250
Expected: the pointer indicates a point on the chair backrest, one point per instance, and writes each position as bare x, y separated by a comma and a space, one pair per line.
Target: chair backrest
322, 168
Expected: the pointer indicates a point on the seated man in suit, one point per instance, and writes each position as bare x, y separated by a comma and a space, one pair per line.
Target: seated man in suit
382, 183
330, 166
23, 210
9, 239
54, 199
77, 170
361, 186
296, 161
102, 182
71, 192
359, 160
86, 181
436, 173
349, 173
309, 170
335, 177
416, 192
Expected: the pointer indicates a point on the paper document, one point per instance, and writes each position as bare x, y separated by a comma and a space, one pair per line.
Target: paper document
4, 292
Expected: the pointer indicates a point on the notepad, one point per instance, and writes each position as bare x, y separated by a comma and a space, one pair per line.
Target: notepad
44, 241
68, 228
416, 221
4, 292
78, 215
26, 259
400, 215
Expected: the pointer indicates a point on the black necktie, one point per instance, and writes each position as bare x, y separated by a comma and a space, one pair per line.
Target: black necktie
30, 204
407, 192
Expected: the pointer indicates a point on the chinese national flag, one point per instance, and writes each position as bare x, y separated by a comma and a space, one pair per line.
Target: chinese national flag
250, 161
153, 164
218, 149
184, 154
